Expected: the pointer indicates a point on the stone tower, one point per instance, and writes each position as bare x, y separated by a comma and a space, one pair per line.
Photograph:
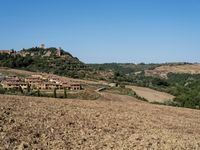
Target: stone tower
42, 46
58, 52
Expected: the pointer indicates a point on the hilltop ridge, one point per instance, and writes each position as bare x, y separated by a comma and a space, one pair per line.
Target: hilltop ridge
41, 59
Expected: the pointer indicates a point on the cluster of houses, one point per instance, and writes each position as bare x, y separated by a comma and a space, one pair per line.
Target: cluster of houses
10, 52
22, 53
39, 82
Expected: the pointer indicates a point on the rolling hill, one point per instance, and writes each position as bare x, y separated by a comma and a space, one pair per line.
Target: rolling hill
49, 60
178, 79
151, 95
164, 70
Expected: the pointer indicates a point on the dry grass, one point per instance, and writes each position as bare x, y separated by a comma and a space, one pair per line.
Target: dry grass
193, 68
162, 71
151, 95
115, 122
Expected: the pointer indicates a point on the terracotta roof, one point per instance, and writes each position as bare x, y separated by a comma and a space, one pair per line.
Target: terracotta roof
15, 83
7, 51
12, 80
50, 83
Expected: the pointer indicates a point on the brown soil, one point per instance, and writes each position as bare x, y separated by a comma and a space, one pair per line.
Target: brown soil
162, 71
151, 95
115, 122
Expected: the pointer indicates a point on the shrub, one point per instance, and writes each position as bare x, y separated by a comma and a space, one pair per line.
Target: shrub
2, 91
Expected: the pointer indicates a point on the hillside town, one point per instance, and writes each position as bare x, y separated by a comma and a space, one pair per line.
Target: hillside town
38, 81
24, 53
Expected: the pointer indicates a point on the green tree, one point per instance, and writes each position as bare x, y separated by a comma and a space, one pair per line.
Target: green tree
54, 93
65, 93
38, 93
21, 90
2, 91
28, 88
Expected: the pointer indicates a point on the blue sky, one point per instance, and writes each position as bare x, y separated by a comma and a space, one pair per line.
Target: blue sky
98, 31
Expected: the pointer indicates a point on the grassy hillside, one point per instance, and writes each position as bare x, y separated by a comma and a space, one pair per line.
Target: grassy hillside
126, 68
185, 86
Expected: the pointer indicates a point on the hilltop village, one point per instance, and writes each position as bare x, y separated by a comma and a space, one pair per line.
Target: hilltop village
37, 81
24, 53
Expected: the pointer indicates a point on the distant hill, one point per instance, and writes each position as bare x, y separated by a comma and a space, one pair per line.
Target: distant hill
53, 60
50, 60
181, 80
164, 70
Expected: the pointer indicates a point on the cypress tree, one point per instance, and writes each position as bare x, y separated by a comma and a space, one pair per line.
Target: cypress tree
38, 93
28, 88
55, 94
21, 90
65, 92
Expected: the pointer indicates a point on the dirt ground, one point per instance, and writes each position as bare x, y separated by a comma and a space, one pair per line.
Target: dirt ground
188, 68
162, 71
114, 122
151, 95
